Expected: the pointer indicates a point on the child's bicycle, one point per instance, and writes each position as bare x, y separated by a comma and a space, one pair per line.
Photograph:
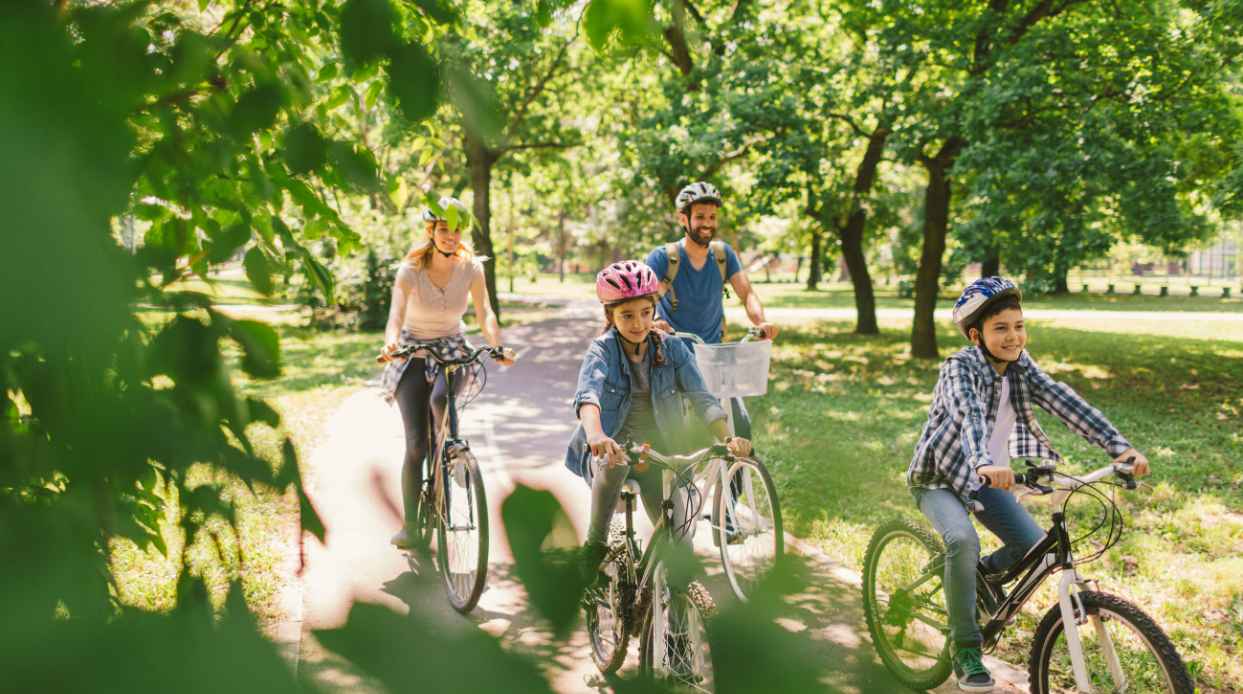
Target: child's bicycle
1123, 650
452, 504
745, 515
634, 593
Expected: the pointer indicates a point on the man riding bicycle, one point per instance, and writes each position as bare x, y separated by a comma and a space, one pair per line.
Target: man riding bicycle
693, 274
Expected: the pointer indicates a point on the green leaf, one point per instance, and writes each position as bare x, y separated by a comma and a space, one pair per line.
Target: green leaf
258, 271
438, 10
192, 57
305, 149
318, 276
367, 32
414, 82
224, 244
356, 167
256, 110
261, 347
476, 100
554, 584
631, 18
261, 411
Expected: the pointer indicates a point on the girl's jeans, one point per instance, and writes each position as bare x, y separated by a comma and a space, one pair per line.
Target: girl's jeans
1005, 517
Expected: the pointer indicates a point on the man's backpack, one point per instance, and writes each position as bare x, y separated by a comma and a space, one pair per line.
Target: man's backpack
675, 259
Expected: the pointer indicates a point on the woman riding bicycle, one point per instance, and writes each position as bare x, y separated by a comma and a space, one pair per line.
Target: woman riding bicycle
630, 387
429, 299
981, 415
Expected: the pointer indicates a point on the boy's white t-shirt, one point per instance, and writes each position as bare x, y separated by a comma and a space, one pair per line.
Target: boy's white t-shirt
1003, 426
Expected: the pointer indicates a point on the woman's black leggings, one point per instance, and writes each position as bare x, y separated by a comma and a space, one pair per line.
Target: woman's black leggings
414, 394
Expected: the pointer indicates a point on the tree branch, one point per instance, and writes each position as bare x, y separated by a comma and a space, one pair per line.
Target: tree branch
537, 145
539, 87
849, 121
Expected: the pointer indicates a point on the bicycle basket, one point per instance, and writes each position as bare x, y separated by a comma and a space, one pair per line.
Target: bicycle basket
736, 369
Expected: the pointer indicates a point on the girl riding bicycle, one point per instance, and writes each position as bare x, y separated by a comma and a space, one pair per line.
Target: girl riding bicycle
630, 387
981, 415
429, 299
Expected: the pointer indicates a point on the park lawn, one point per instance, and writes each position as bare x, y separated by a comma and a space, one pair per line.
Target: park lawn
844, 411
841, 295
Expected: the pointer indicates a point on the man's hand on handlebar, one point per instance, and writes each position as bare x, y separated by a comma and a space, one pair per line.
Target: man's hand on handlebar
998, 476
1138, 462
663, 326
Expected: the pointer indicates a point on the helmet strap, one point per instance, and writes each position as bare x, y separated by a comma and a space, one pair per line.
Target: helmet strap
979, 342
626, 344
447, 255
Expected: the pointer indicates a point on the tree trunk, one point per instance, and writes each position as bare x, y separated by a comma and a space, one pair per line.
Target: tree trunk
936, 223
481, 160
1060, 271
813, 274
561, 247
851, 234
991, 266
860, 278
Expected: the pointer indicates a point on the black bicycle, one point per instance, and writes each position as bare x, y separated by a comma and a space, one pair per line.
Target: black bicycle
452, 504
1123, 650
634, 594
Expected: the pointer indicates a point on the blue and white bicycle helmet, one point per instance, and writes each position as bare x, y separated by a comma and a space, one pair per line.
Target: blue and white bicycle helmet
979, 295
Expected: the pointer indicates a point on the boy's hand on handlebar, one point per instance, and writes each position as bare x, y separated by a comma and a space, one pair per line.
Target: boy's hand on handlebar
604, 447
738, 446
999, 476
1138, 462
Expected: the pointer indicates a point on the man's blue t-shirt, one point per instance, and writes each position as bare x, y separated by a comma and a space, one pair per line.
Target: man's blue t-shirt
700, 302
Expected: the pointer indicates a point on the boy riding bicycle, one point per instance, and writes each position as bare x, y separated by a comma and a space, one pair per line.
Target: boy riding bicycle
981, 416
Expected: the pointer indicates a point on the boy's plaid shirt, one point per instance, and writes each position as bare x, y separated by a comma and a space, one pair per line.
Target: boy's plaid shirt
964, 407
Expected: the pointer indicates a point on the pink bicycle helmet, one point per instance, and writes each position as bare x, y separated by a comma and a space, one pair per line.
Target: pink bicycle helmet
628, 279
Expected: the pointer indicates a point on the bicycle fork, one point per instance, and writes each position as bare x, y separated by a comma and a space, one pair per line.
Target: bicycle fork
1073, 615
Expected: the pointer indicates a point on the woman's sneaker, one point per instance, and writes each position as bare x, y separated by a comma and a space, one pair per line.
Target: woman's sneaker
972, 675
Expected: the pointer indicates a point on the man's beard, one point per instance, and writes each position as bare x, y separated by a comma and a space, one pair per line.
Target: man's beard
700, 236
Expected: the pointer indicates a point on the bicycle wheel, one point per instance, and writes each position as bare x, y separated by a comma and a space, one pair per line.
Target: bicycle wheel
463, 532
746, 525
604, 606
424, 516
674, 647
904, 603
1145, 660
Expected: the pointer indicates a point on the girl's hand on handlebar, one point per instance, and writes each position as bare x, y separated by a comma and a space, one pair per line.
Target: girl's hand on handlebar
604, 447
738, 446
999, 476
1138, 462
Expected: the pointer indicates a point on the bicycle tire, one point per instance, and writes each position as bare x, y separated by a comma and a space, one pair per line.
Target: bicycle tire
608, 650
694, 667
743, 576
454, 531
879, 612
1174, 673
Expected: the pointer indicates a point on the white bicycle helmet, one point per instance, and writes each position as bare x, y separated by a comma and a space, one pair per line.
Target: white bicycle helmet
700, 191
464, 215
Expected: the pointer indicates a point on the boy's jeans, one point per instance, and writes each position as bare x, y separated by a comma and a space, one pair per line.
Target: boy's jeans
1005, 517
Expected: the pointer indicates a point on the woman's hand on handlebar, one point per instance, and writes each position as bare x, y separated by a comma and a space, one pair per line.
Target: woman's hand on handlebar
390, 348
999, 476
1138, 462
504, 357
738, 446
604, 447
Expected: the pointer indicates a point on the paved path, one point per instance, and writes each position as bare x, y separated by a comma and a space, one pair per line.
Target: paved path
518, 429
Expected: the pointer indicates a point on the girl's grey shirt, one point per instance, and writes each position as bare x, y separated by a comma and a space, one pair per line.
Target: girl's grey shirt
604, 381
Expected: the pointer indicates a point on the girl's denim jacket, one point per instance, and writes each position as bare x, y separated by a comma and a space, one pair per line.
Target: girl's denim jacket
604, 381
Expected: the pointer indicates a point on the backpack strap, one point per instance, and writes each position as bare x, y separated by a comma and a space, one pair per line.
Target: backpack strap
718, 250
671, 273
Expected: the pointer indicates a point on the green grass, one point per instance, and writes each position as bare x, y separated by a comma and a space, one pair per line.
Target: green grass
844, 411
841, 295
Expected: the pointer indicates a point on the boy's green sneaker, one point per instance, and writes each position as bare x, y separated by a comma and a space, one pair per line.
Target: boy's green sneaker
972, 675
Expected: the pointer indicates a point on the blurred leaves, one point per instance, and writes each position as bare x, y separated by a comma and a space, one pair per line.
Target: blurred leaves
367, 31
553, 583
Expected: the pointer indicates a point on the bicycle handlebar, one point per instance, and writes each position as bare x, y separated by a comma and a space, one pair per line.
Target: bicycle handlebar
752, 332
431, 349
638, 454
1039, 477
